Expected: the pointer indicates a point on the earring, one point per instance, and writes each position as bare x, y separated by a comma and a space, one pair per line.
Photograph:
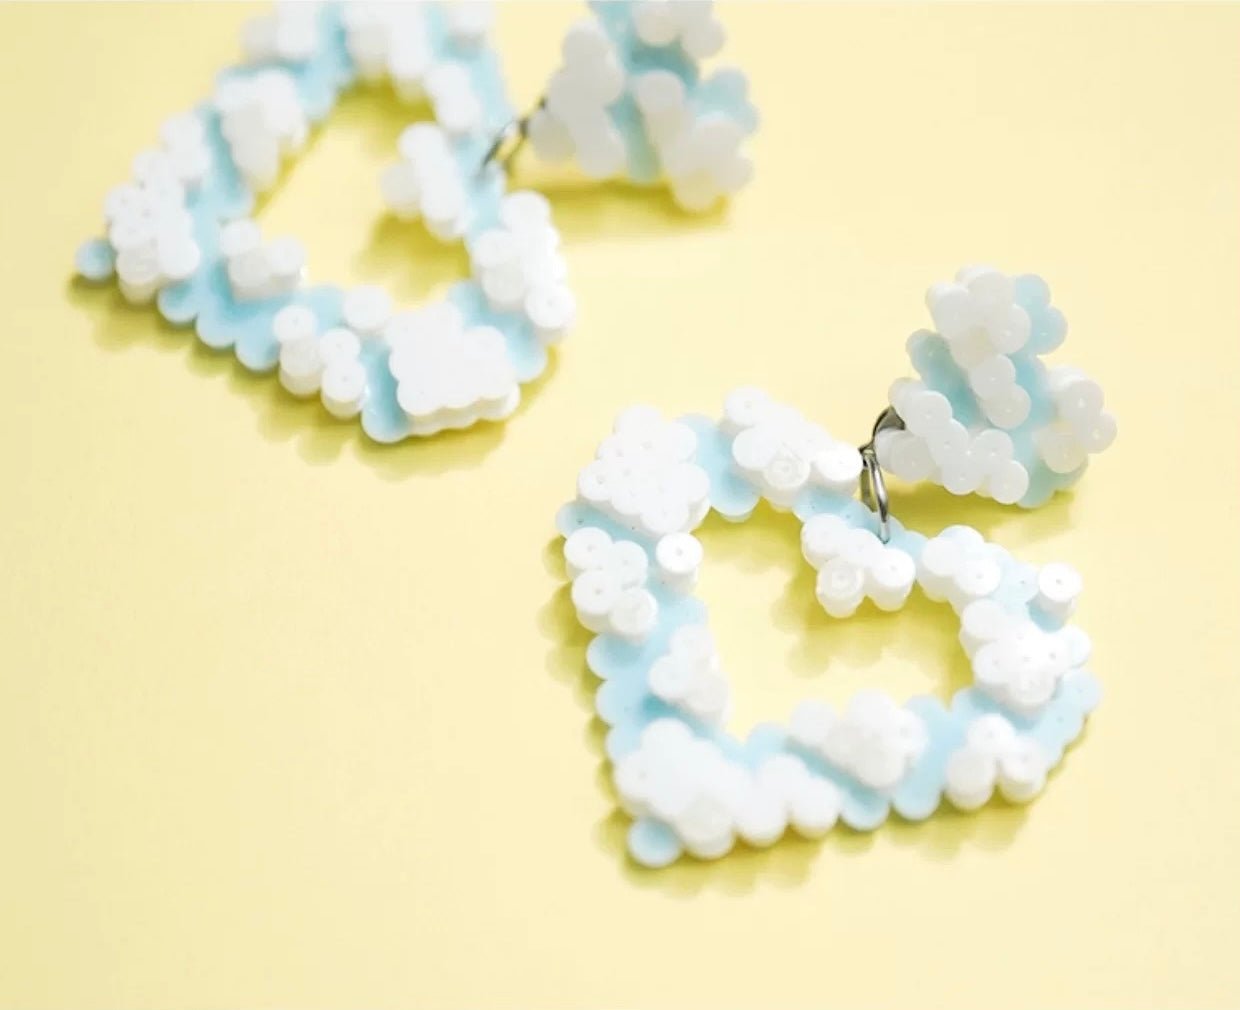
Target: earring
178, 233
628, 100
689, 784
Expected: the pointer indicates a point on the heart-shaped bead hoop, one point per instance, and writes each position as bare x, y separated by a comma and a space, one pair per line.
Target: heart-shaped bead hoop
178, 232
689, 784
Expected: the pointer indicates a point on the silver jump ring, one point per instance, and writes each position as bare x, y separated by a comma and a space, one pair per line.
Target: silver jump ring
873, 488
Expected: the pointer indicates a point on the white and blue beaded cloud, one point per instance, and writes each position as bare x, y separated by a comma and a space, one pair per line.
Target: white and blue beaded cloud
690, 784
987, 415
629, 100
179, 234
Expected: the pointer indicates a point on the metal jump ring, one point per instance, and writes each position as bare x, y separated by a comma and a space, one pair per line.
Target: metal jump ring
873, 488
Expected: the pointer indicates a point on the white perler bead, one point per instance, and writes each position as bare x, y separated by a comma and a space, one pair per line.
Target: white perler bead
709, 801
853, 563
688, 676
258, 270
678, 557
327, 363
149, 226
1023, 665
426, 183
289, 34
449, 376
994, 753
693, 25
456, 105
262, 119
700, 154
874, 740
781, 453
573, 117
609, 584
519, 268
644, 475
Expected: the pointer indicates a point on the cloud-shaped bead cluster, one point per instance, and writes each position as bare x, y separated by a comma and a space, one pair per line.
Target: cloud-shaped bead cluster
781, 453
1081, 426
519, 267
288, 34
327, 362
574, 118
643, 57
448, 374
874, 740
1015, 661
960, 566
609, 584
987, 416
995, 754
258, 269
700, 153
934, 445
150, 229
644, 475
709, 801
262, 118
396, 41
853, 563
427, 182
688, 676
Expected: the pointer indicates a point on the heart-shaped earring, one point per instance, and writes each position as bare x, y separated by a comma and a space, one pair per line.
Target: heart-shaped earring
689, 784
178, 233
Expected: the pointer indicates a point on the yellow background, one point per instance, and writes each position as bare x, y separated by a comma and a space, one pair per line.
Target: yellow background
291, 720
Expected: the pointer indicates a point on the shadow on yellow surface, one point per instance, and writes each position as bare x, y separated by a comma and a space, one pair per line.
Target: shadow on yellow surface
926, 630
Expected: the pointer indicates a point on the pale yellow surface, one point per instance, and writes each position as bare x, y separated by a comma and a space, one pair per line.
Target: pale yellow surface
291, 720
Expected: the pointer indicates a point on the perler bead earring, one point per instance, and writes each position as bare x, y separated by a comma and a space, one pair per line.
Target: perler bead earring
628, 100
987, 417
178, 233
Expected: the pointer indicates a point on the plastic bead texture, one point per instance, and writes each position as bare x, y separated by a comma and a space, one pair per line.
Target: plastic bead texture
690, 785
628, 100
179, 232
987, 415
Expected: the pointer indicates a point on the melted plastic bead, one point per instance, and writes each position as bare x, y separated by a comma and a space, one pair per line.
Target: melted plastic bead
693, 787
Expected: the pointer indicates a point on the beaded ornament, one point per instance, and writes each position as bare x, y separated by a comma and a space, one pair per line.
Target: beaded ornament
178, 232
692, 786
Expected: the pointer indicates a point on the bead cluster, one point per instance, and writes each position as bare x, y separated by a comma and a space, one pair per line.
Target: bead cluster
395, 41
628, 99
690, 785
426, 183
180, 230
987, 416
776, 449
262, 118
448, 374
852, 564
644, 475
150, 232
258, 269
688, 675
874, 740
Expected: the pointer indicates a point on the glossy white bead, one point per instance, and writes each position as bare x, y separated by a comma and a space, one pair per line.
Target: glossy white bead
679, 557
